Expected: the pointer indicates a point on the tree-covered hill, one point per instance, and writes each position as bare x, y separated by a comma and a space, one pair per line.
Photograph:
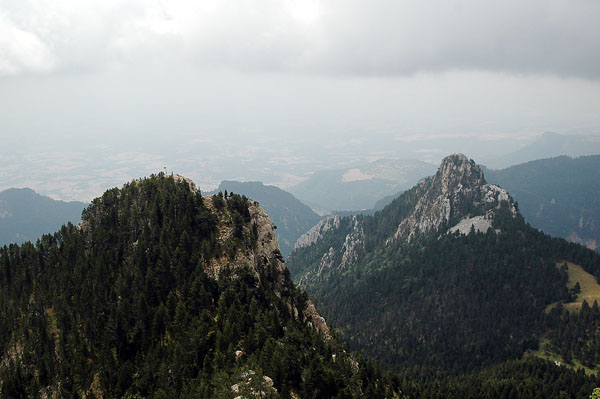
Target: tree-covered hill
25, 215
448, 277
161, 293
560, 196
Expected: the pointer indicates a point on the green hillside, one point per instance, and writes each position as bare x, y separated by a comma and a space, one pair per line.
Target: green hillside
163, 293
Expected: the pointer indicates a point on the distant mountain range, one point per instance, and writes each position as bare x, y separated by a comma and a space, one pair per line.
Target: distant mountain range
549, 145
25, 215
292, 217
559, 195
360, 187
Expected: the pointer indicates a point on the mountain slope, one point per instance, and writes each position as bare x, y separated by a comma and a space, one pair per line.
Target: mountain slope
160, 292
448, 275
560, 196
26, 215
360, 187
291, 216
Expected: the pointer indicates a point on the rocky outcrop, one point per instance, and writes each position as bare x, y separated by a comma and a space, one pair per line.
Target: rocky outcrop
457, 193
344, 257
315, 320
264, 255
353, 244
251, 385
292, 217
478, 223
316, 233
189, 181
327, 261
456, 199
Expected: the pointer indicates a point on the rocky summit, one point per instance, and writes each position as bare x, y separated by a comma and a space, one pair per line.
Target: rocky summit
456, 197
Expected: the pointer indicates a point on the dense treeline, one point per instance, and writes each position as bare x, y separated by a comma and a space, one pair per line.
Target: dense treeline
575, 335
530, 378
451, 301
477, 304
122, 306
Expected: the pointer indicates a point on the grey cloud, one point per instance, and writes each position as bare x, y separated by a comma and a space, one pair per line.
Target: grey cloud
354, 37
535, 36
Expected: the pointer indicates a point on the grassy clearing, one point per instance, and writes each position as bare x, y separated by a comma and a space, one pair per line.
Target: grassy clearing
590, 292
544, 353
590, 289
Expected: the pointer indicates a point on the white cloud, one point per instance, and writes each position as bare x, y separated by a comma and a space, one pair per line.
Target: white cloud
22, 51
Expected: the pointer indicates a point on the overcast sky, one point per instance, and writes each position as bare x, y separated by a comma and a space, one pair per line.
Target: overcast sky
94, 93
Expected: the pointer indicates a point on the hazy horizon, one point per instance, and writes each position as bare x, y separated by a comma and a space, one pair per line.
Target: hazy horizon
96, 94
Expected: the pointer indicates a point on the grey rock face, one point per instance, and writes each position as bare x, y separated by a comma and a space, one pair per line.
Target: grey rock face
316, 233
457, 191
353, 245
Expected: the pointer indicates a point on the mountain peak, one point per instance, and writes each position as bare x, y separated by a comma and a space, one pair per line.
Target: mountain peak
455, 158
458, 193
457, 171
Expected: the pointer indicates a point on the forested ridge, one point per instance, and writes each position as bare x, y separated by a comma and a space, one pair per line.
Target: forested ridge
456, 301
560, 195
146, 298
161, 292
464, 307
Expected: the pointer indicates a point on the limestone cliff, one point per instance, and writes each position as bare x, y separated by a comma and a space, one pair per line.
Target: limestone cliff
317, 232
264, 258
458, 192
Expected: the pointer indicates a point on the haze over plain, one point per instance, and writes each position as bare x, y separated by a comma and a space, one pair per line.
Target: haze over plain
95, 94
